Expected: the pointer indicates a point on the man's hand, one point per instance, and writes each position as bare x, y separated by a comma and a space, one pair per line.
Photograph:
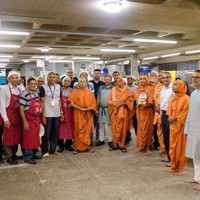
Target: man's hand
7, 124
61, 117
44, 121
172, 119
26, 126
157, 109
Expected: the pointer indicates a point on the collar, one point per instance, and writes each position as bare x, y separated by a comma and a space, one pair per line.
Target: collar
12, 87
169, 86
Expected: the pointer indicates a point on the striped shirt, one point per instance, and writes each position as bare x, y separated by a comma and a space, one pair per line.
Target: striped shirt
25, 99
89, 85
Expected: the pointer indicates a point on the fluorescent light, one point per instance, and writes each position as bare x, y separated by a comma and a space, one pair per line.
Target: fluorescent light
26, 61
112, 6
3, 64
9, 46
13, 33
85, 58
195, 51
4, 60
151, 58
100, 62
156, 41
45, 49
61, 61
170, 55
119, 50
5, 56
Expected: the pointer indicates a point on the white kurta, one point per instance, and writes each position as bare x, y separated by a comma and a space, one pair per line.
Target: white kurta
192, 127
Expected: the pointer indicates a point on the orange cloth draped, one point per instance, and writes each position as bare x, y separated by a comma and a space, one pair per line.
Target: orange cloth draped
157, 116
145, 117
178, 107
121, 118
83, 98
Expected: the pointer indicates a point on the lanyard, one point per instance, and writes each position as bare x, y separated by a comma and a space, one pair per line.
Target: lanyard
52, 93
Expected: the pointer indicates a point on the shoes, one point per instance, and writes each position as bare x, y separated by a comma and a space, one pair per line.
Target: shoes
168, 164
18, 157
37, 157
1, 161
12, 161
166, 159
69, 148
128, 140
100, 143
46, 155
32, 162
60, 150
110, 144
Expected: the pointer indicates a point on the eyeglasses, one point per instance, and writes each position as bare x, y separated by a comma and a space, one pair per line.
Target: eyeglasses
166, 77
196, 77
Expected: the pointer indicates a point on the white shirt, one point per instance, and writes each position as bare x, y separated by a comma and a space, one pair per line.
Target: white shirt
5, 99
165, 95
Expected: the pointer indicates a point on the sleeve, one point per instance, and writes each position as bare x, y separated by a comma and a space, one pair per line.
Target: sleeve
75, 85
42, 92
3, 98
91, 85
22, 100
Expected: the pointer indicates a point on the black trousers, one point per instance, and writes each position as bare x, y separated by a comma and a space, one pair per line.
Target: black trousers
65, 145
155, 138
128, 135
166, 133
51, 133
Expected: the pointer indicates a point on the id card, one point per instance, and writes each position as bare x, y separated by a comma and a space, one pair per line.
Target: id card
52, 103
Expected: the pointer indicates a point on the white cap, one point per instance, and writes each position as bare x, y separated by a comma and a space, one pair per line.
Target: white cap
13, 73
83, 71
131, 76
155, 72
66, 77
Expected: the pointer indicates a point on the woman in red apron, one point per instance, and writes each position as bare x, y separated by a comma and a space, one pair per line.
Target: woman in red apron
66, 126
31, 138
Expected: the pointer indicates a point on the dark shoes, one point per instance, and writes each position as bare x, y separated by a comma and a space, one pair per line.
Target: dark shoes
60, 150
31, 162
11, 161
1, 161
100, 143
110, 144
18, 157
69, 148
37, 157
128, 140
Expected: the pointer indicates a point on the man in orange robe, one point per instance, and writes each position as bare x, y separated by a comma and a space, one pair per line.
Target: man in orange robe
177, 111
157, 116
84, 104
143, 95
121, 109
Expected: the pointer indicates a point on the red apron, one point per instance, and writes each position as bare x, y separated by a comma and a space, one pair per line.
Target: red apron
67, 126
12, 136
31, 139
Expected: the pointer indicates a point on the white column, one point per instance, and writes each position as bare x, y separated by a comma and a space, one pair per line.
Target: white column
134, 64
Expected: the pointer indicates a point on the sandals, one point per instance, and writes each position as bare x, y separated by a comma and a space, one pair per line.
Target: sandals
112, 148
123, 149
75, 151
90, 150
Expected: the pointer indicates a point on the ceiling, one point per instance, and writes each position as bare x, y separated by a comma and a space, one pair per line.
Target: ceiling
81, 27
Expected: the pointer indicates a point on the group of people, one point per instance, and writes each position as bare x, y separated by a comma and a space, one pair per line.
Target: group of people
70, 110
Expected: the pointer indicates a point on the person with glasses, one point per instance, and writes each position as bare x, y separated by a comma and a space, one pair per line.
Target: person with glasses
70, 74
192, 132
39, 83
165, 95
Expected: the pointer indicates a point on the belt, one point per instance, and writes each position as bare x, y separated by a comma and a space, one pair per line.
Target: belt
164, 111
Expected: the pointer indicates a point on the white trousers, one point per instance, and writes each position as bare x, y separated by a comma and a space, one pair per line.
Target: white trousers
196, 170
102, 130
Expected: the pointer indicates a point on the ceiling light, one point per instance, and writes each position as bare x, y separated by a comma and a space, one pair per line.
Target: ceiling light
156, 41
150, 58
170, 55
61, 61
119, 50
13, 33
113, 6
3, 64
85, 58
45, 49
5, 56
190, 52
9, 46
4, 60
26, 61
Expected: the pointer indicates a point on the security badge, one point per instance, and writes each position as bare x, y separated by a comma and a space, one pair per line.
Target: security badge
52, 103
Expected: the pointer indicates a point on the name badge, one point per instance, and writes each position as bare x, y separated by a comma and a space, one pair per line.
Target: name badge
52, 103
